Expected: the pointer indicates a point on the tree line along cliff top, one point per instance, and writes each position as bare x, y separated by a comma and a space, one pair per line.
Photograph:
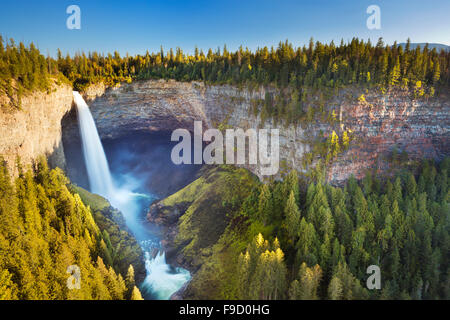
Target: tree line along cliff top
316, 66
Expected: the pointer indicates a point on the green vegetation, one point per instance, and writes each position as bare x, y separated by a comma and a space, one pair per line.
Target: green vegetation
45, 228
209, 204
23, 69
303, 69
123, 249
293, 239
320, 238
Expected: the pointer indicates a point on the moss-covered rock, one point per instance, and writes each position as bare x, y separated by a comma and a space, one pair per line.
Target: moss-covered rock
197, 222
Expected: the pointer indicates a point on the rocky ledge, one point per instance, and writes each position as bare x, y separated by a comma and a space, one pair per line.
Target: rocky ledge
35, 129
378, 123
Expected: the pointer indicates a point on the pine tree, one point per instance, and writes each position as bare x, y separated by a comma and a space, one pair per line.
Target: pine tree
436, 72
306, 244
265, 204
411, 186
335, 289
345, 140
129, 280
395, 73
8, 289
136, 294
292, 216
306, 287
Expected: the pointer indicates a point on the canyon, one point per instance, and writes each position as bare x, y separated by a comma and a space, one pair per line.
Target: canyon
46, 122
378, 124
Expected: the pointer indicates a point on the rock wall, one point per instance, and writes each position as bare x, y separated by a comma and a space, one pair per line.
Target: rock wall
419, 127
35, 129
142, 106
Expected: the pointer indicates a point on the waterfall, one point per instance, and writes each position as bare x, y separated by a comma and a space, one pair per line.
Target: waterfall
94, 156
161, 280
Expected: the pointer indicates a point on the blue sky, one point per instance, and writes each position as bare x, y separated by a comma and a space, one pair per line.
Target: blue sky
137, 25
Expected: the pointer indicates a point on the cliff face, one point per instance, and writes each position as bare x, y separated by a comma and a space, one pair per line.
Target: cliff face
194, 221
141, 106
35, 129
419, 127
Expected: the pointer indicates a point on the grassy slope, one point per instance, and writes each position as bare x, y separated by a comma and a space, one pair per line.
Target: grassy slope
211, 232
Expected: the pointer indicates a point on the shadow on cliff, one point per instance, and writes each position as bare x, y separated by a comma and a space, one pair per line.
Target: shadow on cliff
139, 158
146, 157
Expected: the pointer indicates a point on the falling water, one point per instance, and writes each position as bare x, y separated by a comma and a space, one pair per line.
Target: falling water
94, 156
162, 280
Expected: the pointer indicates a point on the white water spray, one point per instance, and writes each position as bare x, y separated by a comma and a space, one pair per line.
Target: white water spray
94, 155
160, 281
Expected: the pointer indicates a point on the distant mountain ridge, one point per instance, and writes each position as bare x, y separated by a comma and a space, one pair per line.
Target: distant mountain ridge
431, 46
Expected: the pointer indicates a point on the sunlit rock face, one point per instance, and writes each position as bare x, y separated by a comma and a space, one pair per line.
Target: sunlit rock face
419, 127
35, 129
147, 106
